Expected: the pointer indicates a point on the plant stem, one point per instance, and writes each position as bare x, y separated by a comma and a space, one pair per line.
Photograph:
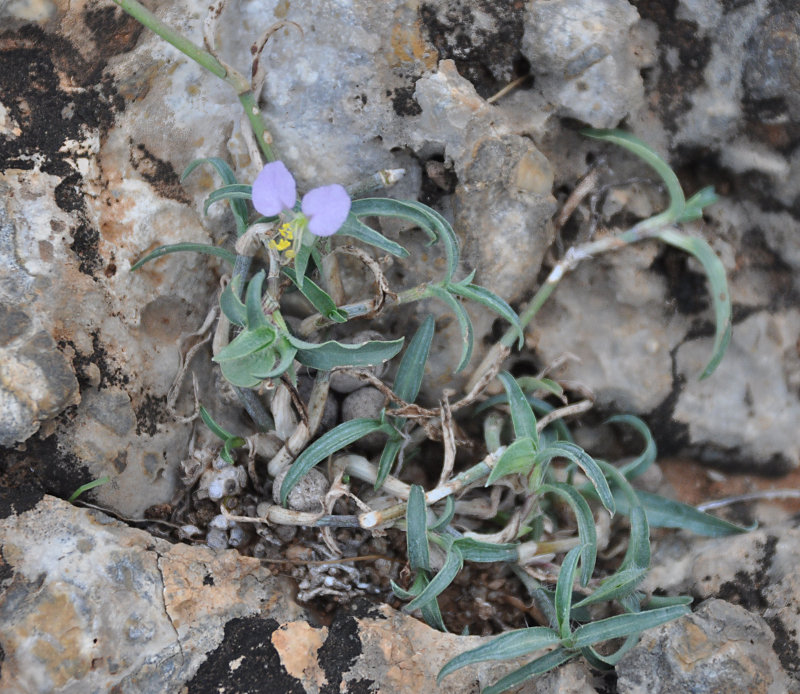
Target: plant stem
201, 56
205, 59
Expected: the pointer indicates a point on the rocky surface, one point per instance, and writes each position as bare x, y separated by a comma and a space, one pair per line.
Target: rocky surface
719, 648
97, 120
100, 607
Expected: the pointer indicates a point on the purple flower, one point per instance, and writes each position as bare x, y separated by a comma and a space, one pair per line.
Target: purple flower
275, 190
326, 208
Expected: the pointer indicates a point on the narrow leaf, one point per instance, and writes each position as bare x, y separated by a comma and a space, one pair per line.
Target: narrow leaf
452, 565
483, 296
644, 460
511, 644
586, 528
230, 304
464, 321
565, 449
721, 298
245, 343
318, 298
328, 355
518, 458
625, 624
487, 552
393, 446
564, 585
542, 664
86, 487
255, 314
360, 231
304, 252
238, 207
215, 428
447, 515
232, 191
648, 155
327, 444
208, 249
521, 413
409, 376
417, 530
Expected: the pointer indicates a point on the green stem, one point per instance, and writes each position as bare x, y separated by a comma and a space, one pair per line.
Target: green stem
205, 59
248, 102
201, 56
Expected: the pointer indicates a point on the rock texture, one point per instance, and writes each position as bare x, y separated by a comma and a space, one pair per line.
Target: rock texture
101, 607
719, 648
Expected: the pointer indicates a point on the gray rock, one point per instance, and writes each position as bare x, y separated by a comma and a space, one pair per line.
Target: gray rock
36, 381
756, 570
104, 607
581, 56
365, 402
748, 410
719, 648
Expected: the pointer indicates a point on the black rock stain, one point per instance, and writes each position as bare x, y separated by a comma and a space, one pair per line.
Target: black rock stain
248, 643
487, 57
747, 590
150, 413
158, 173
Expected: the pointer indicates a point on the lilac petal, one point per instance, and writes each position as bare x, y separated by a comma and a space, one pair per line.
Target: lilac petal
274, 190
326, 208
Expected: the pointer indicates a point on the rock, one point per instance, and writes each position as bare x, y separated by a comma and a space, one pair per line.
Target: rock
581, 54
365, 402
756, 571
760, 374
719, 648
36, 381
100, 607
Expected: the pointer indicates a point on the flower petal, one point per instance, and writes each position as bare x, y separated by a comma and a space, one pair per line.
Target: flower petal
274, 190
326, 208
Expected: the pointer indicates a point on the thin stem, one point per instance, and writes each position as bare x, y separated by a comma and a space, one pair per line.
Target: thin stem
201, 56
205, 59
454, 486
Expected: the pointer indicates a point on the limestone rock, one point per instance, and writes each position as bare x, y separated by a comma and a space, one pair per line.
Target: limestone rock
719, 648
581, 54
100, 606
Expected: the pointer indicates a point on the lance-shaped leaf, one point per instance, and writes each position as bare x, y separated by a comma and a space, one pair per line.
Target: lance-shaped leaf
453, 563
483, 296
238, 206
232, 191
487, 552
328, 355
521, 413
563, 600
467, 337
427, 219
553, 659
318, 298
358, 230
447, 515
407, 383
328, 444
417, 530
644, 460
511, 644
161, 251
586, 529
304, 252
518, 458
252, 302
430, 610
231, 305
240, 372
247, 342
625, 624
720, 296
564, 449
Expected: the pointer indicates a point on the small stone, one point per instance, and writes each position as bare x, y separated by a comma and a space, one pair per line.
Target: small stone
307, 495
367, 402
